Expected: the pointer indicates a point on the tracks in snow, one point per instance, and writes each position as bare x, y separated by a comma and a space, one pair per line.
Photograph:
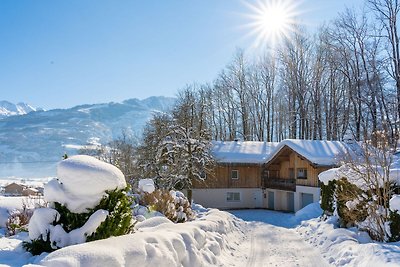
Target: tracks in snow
277, 246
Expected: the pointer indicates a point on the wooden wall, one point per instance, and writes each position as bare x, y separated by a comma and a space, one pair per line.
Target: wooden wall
295, 162
249, 177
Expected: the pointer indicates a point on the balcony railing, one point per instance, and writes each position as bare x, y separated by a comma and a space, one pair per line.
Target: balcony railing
279, 183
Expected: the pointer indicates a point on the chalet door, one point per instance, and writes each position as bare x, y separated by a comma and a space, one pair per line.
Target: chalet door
271, 200
290, 201
258, 199
306, 199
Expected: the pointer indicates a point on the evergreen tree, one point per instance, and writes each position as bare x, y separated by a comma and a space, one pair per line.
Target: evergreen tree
118, 222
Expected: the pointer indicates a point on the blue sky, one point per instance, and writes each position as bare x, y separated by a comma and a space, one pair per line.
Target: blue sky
57, 54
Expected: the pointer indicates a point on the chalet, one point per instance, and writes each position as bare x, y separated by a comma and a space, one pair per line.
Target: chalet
15, 189
236, 181
278, 176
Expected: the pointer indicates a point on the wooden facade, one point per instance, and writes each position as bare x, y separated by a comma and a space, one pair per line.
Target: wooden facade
249, 176
289, 165
282, 172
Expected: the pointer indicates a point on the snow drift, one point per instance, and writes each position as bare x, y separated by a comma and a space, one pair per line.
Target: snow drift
207, 241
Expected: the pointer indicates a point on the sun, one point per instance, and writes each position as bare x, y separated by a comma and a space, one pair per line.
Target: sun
272, 21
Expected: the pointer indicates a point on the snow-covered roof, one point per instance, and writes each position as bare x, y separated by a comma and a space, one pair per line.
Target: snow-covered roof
318, 152
242, 151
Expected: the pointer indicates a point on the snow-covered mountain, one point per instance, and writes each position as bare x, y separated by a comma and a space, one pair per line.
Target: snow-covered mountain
9, 109
31, 144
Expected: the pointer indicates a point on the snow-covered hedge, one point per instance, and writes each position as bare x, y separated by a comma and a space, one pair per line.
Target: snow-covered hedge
88, 201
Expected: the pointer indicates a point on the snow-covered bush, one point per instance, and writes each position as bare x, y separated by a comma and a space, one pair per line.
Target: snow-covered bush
18, 218
172, 204
327, 197
362, 191
351, 203
18, 221
87, 202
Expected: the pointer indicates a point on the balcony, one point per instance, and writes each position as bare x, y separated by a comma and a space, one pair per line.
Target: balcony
279, 183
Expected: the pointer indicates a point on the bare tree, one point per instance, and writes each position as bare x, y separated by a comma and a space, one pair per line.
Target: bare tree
386, 12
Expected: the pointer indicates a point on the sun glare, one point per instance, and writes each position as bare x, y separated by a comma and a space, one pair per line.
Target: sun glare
272, 20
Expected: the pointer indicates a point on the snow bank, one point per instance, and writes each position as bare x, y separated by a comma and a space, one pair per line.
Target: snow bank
82, 182
310, 211
347, 247
208, 241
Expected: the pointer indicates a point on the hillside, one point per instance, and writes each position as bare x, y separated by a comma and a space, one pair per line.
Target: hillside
31, 144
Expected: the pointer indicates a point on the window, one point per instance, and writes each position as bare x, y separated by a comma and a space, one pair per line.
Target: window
232, 196
235, 174
301, 173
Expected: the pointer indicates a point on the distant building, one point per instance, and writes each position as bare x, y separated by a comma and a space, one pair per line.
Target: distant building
277, 176
15, 189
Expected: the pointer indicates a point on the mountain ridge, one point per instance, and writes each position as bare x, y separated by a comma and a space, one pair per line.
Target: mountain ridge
8, 109
32, 143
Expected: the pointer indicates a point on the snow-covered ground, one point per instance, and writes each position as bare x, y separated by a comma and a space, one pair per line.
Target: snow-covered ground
217, 238
304, 239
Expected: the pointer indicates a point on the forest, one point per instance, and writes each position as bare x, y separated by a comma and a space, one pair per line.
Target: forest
341, 81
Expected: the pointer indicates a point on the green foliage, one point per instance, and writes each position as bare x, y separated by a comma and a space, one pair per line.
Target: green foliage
69, 220
327, 197
118, 222
38, 246
394, 226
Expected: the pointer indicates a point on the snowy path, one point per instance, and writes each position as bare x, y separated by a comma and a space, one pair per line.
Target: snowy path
277, 246
272, 243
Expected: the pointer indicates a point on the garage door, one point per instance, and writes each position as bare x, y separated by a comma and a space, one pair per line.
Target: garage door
306, 199
290, 201
271, 200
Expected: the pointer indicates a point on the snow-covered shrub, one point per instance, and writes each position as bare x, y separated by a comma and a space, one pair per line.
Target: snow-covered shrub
363, 192
351, 203
18, 220
87, 202
328, 198
173, 204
